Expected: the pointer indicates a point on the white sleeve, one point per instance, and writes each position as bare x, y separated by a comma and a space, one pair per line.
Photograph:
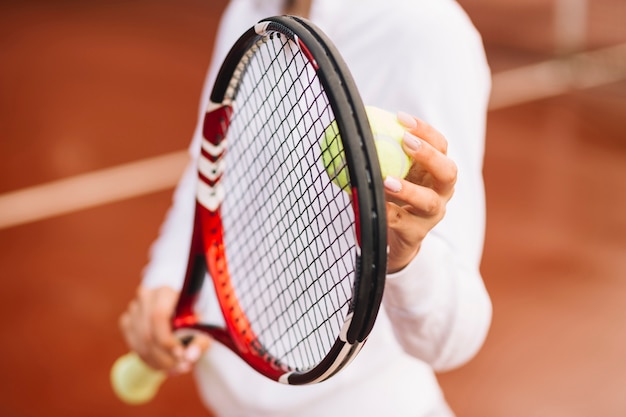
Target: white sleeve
169, 253
438, 305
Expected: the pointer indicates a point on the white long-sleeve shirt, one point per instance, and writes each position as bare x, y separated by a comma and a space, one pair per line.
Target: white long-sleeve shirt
423, 57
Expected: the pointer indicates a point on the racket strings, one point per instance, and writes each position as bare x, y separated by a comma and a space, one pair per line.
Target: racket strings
295, 227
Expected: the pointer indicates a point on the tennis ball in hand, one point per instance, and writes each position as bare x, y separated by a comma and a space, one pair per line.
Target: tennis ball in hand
387, 132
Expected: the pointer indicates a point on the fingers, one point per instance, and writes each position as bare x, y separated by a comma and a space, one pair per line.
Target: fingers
416, 210
162, 303
428, 149
417, 203
421, 129
146, 327
194, 349
431, 167
405, 234
415, 199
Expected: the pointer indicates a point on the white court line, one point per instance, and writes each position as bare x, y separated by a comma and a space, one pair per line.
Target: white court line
517, 86
92, 189
558, 76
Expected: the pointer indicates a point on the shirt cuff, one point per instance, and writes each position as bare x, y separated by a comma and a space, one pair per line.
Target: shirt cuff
418, 281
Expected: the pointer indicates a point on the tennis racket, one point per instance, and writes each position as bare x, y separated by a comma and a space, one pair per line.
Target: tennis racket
293, 240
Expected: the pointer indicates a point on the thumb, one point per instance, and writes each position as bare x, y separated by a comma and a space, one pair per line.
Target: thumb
193, 351
198, 345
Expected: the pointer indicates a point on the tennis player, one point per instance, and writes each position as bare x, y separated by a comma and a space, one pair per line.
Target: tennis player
417, 57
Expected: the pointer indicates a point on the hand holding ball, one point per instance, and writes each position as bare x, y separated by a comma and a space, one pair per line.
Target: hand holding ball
387, 132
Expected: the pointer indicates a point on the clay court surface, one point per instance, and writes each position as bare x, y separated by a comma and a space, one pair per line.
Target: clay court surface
91, 92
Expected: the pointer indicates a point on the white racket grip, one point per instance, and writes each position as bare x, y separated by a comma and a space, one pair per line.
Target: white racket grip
133, 381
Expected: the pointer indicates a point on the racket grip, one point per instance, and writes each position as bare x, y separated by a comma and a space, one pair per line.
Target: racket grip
133, 381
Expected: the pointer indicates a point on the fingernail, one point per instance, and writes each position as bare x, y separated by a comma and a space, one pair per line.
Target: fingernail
193, 353
392, 184
406, 120
411, 142
183, 367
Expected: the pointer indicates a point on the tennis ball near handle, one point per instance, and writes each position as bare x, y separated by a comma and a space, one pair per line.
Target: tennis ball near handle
387, 132
133, 381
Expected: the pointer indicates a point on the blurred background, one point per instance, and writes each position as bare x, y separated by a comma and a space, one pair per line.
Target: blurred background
94, 93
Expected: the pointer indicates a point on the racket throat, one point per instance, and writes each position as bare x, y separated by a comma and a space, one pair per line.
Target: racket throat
185, 316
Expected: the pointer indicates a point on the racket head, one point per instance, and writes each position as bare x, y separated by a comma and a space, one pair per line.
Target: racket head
298, 263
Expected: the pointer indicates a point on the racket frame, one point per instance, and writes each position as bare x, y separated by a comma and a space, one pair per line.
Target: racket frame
208, 252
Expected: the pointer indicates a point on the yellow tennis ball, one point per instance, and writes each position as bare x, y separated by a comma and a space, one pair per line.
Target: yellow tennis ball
333, 157
133, 381
387, 132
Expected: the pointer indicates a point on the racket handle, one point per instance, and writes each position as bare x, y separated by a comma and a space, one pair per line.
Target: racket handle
133, 381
